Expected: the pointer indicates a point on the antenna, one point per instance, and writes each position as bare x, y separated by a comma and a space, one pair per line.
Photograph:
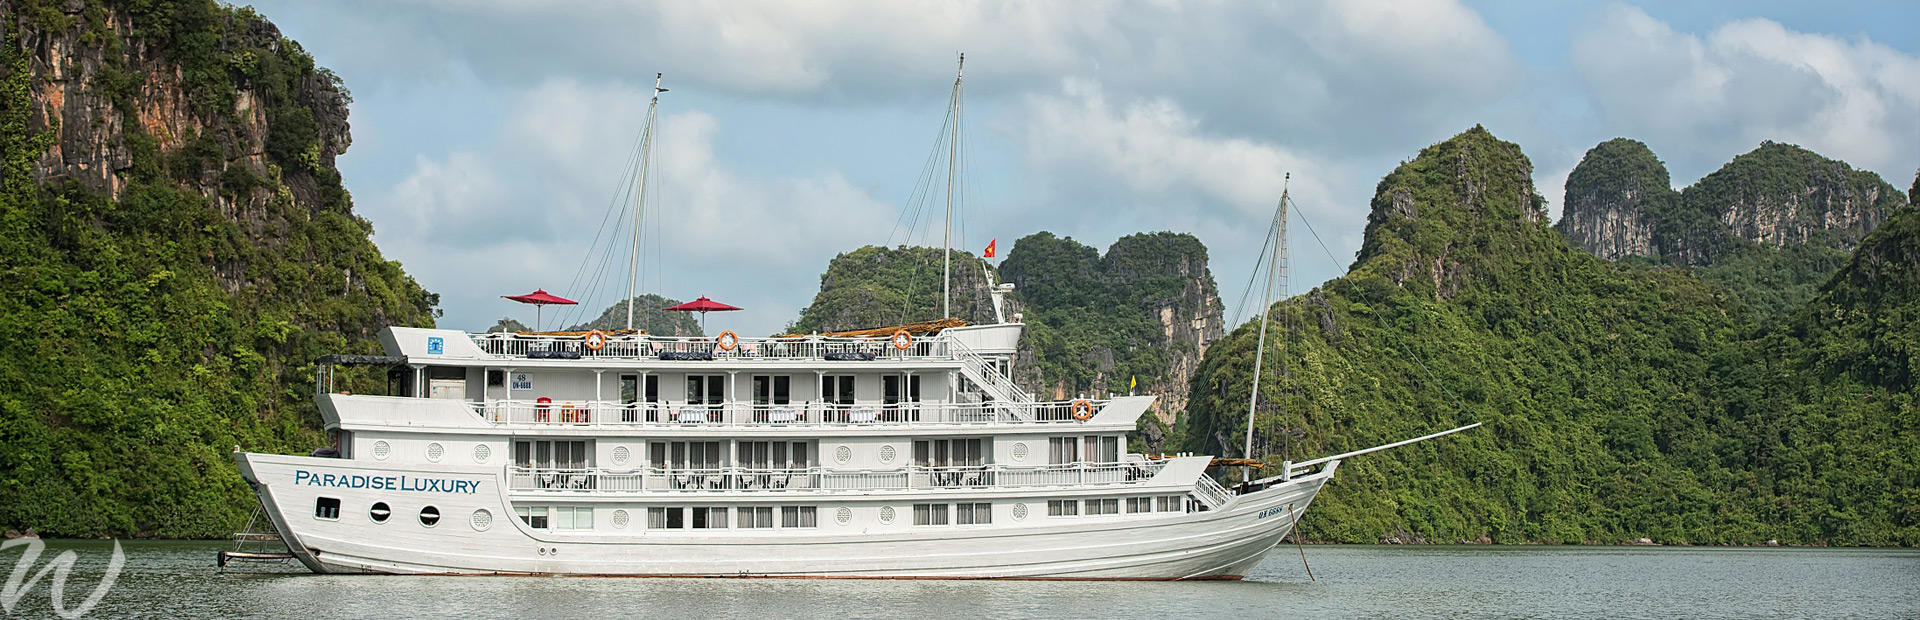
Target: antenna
953, 156
1266, 310
640, 197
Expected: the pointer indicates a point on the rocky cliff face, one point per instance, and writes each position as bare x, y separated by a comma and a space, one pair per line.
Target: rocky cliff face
1609, 197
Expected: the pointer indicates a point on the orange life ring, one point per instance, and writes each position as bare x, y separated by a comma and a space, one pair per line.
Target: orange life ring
595, 340
728, 340
1082, 410
902, 340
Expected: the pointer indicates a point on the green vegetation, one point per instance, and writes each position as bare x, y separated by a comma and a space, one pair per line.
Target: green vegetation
149, 335
648, 317
1620, 401
876, 287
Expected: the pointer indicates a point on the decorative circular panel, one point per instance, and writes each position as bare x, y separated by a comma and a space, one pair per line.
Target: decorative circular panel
1020, 451
1019, 512
843, 454
620, 519
481, 453
886, 514
435, 451
381, 450
844, 515
621, 454
482, 520
886, 453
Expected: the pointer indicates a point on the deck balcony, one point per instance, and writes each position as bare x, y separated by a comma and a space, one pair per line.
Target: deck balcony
806, 348
644, 481
640, 414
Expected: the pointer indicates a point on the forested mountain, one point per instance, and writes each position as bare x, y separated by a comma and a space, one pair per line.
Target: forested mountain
876, 287
1621, 400
177, 248
1771, 225
647, 317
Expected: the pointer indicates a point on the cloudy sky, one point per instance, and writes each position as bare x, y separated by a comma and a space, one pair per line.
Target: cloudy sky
491, 136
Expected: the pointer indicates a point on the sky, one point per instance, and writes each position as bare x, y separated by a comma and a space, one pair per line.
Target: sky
492, 138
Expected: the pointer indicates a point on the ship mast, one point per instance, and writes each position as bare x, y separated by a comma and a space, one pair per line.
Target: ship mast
1276, 266
639, 198
953, 152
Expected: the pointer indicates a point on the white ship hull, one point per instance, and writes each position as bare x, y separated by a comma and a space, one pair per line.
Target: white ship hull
1221, 543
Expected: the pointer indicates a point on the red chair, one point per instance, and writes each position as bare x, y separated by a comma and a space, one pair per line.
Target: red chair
542, 407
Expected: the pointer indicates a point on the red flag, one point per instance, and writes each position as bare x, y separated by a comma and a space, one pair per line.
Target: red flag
990, 246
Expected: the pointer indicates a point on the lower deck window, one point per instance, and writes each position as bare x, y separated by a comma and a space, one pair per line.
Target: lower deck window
930, 514
706, 518
556, 517
327, 508
1169, 503
753, 517
977, 513
797, 516
1063, 507
667, 518
1139, 504
1103, 506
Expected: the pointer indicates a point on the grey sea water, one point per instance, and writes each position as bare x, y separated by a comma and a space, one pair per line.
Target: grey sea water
178, 580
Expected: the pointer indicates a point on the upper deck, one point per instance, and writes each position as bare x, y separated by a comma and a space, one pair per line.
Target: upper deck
453, 347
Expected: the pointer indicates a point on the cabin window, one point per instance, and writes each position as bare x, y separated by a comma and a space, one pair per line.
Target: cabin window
1089, 448
1139, 504
893, 394
429, 516
1169, 503
706, 389
632, 392
837, 389
1063, 507
1109, 506
773, 455
798, 516
686, 454
755, 517
668, 518
709, 518
327, 508
550, 454
976, 513
772, 389
1063, 450
949, 453
930, 514
534, 516
379, 512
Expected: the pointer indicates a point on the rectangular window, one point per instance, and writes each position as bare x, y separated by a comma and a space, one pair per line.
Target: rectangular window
1139, 504
1063, 450
572, 517
977, 513
1170, 503
327, 508
1109, 449
550, 454
797, 516
772, 389
930, 514
754, 517
1103, 506
706, 389
1063, 507
891, 393
837, 389
686, 454
669, 518
534, 516
709, 518
772, 455
949, 453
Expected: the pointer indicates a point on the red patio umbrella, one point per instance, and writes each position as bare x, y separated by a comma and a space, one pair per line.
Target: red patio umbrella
540, 298
702, 306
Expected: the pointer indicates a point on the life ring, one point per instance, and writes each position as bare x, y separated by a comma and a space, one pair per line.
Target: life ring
728, 340
902, 340
1082, 410
595, 340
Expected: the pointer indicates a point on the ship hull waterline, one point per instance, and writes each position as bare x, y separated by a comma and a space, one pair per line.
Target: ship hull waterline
1220, 544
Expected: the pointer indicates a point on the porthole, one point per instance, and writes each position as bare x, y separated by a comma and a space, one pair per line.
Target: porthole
842, 454
1020, 451
886, 453
481, 453
1019, 512
621, 454
844, 515
482, 519
379, 512
620, 519
886, 514
381, 450
435, 451
429, 516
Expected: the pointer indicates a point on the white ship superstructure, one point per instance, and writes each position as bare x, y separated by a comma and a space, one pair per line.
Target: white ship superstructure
909, 456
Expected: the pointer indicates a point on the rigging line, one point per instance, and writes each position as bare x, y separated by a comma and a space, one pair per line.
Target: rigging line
626, 179
1383, 327
1240, 310
917, 197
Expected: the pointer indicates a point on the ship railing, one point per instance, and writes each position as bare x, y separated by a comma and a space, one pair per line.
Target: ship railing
915, 477
594, 413
707, 348
1211, 492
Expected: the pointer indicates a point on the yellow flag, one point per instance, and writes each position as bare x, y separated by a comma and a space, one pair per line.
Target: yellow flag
1133, 382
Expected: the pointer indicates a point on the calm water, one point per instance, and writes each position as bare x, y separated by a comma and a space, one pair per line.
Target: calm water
174, 579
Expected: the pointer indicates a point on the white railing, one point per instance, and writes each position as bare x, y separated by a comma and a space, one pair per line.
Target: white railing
670, 480
977, 369
611, 413
1211, 492
702, 348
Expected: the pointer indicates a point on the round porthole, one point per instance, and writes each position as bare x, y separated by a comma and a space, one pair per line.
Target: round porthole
844, 515
621, 454
482, 519
1020, 451
379, 512
887, 453
429, 516
381, 450
435, 451
886, 514
481, 453
843, 454
620, 519
1019, 512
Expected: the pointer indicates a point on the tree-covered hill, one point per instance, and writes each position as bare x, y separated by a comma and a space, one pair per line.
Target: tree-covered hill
1771, 225
1620, 401
876, 286
647, 317
176, 248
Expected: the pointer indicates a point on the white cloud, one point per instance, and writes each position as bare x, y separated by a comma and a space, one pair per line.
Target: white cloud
1705, 99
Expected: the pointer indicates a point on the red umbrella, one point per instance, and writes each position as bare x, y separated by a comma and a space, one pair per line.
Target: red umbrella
540, 298
702, 306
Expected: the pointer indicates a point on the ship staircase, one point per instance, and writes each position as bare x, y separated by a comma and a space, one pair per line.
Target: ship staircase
256, 545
